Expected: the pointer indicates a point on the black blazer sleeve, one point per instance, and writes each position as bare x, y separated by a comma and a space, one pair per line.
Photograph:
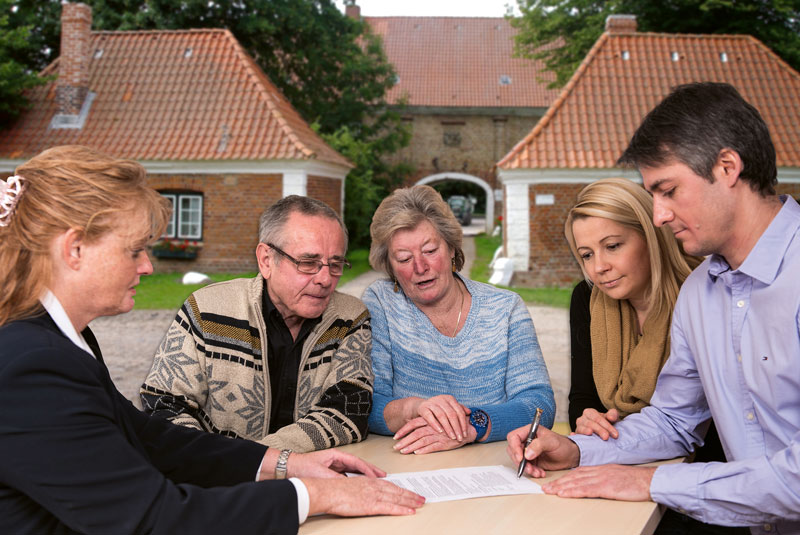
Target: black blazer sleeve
76, 456
582, 391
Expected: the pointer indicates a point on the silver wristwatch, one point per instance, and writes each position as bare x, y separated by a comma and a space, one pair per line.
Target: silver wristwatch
280, 467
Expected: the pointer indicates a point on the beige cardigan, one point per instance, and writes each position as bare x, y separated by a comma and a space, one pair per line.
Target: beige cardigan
209, 371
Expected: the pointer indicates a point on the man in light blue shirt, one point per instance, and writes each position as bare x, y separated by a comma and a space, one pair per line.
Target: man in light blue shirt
706, 156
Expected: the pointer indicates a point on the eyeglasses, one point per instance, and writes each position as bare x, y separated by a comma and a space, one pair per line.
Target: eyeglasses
311, 267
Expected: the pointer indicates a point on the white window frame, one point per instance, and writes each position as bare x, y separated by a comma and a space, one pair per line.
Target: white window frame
169, 232
187, 236
177, 217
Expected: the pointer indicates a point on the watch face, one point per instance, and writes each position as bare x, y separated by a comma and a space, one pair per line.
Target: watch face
478, 417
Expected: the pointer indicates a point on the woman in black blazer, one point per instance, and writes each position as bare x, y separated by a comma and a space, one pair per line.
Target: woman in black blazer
75, 455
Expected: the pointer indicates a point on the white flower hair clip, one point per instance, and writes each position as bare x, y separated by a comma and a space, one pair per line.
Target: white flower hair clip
10, 192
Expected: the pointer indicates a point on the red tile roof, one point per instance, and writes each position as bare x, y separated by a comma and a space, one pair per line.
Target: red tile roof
591, 122
173, 95
458, 62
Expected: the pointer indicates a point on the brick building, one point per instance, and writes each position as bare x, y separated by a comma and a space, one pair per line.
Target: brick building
216, 136
467, 99
589, 125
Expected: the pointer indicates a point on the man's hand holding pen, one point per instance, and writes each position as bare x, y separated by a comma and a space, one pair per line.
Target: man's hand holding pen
548, 451
551, 451
531, 435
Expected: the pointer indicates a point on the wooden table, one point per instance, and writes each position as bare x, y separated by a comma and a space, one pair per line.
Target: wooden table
529, 514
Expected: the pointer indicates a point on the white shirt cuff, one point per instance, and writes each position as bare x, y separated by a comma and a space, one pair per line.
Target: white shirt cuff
303, 501
258, 472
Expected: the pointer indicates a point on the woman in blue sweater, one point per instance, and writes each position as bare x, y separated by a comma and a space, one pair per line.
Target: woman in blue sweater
456, 361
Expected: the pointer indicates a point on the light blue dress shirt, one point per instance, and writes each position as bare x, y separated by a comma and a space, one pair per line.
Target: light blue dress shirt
735, 355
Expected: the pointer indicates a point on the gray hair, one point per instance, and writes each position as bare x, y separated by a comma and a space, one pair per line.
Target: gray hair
404, 209
274, 218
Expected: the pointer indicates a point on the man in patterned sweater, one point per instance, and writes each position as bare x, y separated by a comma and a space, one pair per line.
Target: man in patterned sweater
281, 359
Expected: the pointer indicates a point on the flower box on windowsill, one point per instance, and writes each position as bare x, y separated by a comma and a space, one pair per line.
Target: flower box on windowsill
179, 249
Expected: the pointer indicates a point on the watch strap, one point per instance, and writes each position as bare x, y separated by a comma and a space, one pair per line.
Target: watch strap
280, 466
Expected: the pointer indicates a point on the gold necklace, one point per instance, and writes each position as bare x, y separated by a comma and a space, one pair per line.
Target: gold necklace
460, 309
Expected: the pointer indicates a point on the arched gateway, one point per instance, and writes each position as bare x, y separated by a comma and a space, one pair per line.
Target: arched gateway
468, 178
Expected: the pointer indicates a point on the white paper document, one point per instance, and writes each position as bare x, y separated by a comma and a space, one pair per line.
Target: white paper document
463, 483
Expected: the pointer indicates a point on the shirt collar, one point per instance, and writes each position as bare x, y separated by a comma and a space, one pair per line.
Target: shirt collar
764, 261
271, 311
53, 307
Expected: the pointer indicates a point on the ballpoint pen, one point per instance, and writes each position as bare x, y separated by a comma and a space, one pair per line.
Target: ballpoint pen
531, 436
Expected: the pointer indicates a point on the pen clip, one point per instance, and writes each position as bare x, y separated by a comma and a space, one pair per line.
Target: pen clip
534, 427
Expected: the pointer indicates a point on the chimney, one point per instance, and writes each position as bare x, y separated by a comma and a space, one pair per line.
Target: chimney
352, 10
72, 85
621, 24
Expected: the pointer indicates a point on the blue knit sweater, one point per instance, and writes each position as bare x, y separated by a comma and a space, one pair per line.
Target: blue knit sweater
494, 363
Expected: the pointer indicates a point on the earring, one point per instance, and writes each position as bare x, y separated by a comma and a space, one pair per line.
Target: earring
453, 262
396, 289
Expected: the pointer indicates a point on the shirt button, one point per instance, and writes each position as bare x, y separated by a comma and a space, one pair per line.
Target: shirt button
740, 303
739, 358
750, 416
767, 527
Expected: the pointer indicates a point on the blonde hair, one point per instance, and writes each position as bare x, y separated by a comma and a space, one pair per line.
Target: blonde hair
404, 209
629, 204
67, 187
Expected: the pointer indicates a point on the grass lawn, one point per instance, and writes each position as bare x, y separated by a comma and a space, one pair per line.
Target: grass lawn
165, 291
485, 246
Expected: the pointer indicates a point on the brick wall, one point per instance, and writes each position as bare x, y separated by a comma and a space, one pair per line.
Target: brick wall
551, 262
789, 189
327, 190
469, 144
232, 205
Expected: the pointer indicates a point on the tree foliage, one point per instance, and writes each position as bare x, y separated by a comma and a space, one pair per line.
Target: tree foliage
372, 179
15, 75
561, 32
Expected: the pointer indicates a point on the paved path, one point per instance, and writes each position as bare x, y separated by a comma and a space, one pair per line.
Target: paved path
129, 341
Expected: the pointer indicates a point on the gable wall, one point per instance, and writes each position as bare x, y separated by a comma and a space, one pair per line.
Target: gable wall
232, 204
327, 190
484, 139
550, 261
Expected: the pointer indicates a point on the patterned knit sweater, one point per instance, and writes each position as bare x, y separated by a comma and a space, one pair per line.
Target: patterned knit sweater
210, 373
494, 363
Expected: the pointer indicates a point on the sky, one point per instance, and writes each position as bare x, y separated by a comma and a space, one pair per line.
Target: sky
432, 8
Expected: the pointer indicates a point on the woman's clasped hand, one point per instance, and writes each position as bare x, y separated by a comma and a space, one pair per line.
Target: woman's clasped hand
442, 424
